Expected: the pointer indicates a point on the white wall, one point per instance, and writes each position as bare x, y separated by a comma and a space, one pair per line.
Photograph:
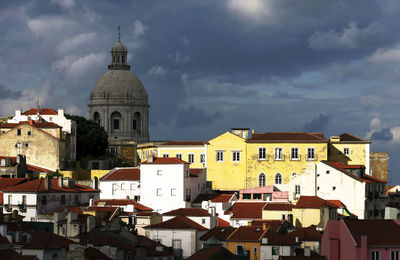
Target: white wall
122, 189
209, 221
220, 208
187, 237
266, 252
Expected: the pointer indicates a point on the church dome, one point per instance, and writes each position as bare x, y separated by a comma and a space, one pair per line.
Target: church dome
119, 84
118, 47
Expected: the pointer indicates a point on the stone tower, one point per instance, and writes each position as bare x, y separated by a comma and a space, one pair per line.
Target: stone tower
119, 102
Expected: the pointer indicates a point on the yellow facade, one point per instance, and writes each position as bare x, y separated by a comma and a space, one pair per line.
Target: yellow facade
286, 165
227, 173
275, 214
249, 246
304, 217
146, 149
183, 152
357, 153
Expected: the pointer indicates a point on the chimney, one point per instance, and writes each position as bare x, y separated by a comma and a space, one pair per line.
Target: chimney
95, 183
60, 112
91, 202
18, 112
71, 216
307, 251
47, 183
297, 239
90, 223
60, 181
241, 132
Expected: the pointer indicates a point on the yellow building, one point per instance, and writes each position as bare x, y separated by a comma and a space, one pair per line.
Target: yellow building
226, 162
246, 240
277, 211
41, 142
193, 152
312, 210
273, 157
350, 150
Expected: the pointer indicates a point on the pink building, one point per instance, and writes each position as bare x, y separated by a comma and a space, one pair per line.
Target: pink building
354, 239
265, 193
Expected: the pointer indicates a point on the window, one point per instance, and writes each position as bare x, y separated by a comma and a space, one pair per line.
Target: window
76, 199
159, 172
122, 186
191, 158
283, 217
294, 175
26, 145
236, 156
239, 249
179, 156
278, 178
262, 153
19, 131
158, 192
10, 199
310, 153
246, 196
202, 157
134, 124
116, 124
275, 250
132, 186
257, 196
297, 189
173, 192
327, 172
394, 255
166, 155
114, 188
278, 153
203, 221
375, 255
346, 151
220, 156
44, 200
294, 153
261, 180
334, 188
23, 199
176, 244
29, 133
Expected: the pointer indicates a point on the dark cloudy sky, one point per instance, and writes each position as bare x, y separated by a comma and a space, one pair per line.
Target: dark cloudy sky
272, 65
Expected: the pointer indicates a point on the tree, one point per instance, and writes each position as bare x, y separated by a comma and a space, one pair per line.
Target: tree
91, 139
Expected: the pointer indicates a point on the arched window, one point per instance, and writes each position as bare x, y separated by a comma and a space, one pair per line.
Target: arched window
278, 178
116, 121
261, 180
294, 174
96, 118
136, 127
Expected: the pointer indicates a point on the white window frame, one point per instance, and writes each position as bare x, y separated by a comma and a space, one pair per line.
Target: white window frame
179, 156
264, 180
375, 255
297, 158
313, 153
202, 158
158, 191
191, 157
346, 151
220, 156
394, 255
262, 153
281, 178
278, 154
236, 156
132, 186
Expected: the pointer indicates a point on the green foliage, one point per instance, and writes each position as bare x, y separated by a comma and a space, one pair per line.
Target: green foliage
54, 174
91, 139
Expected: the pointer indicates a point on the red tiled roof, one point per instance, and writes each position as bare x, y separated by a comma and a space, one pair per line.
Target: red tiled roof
223, 223
247, 210
195, 172
281, 137
337, 203
94, 254
69, 209
34, 168
12, 254
140, 213
122, 174
13, 159
4, 240
193, 212
188, 143
379, 232
152, 246
8, 182
123, 202
220, 233
223, 198
178, 222
204, 197
165, 160
346, 137
32, 123
278, 206
247, 233
102, 209
308, 233
47, 240
38, 186
342, 167
274, 224
105, 240
313, 202
42, 111
213, 252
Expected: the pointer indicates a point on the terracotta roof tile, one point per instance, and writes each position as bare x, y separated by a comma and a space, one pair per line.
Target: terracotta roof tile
38, 186
337, 203
293, 137
220, 233
178, 222
32, 123
8, 182
223, 198
12, 254
187, 143
278, 206
42, 111
165, 160
383, 233
105, 240
247, 210
313, 202
122, 202
122, 174
195, 172
152, 246
346, 137
247, 233
213, 252
193, 212
223, 223
34, 168
343, 168
204, 197
47, 240
308, 233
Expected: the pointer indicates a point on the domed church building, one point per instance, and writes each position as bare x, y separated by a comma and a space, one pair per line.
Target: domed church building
119, 102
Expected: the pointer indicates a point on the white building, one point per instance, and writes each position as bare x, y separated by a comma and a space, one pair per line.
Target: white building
37, 199
362, 194
168, 183
220, 203
120, 183
180, 232
202, 217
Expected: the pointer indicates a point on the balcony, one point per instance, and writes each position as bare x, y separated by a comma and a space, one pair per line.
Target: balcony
7, 207
22, 207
